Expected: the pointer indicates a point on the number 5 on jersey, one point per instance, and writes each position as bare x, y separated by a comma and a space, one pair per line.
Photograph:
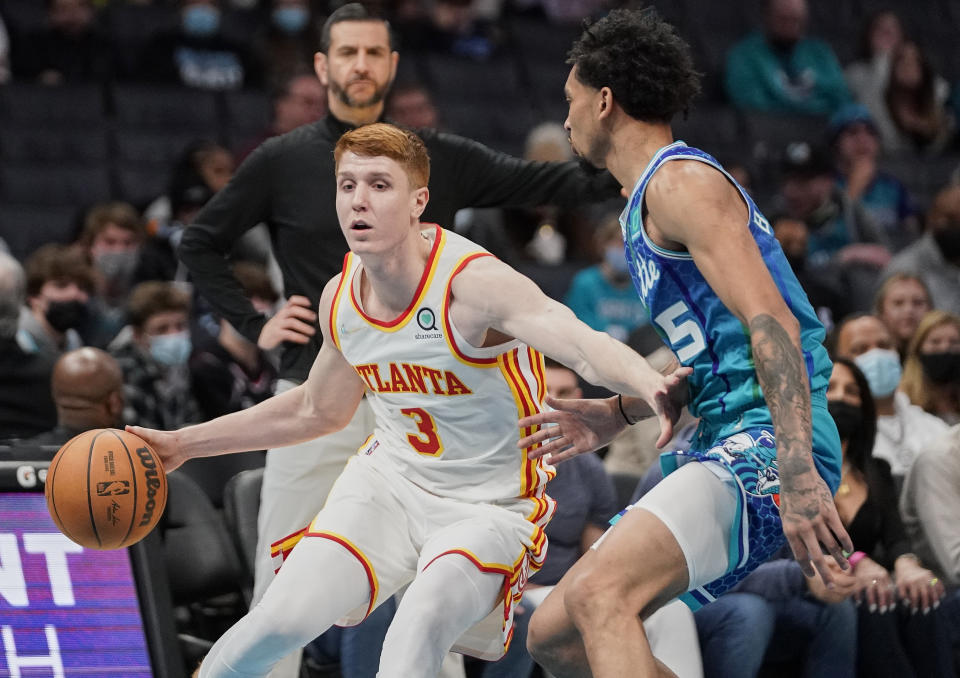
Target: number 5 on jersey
685, 337
425, 441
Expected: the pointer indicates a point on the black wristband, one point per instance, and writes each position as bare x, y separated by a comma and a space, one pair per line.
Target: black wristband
620, 405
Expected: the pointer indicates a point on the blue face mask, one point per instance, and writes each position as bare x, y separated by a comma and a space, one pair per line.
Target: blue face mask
616, 259
171, 349
201, 20
290, 19
882, 369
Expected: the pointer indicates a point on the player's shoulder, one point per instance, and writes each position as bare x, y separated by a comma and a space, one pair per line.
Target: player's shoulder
330, 290
684, 177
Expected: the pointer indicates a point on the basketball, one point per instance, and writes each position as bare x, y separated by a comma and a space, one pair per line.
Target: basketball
106, 489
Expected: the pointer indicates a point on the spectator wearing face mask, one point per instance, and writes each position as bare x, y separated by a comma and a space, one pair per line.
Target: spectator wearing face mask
935, 257
60, 284
931, 370
157, 381
112, 238
197, 54
289, 40
602, 295
903, 429
900, 630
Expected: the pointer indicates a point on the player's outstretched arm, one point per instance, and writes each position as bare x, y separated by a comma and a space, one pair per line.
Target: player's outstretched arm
694, 206
488, 294
324, 403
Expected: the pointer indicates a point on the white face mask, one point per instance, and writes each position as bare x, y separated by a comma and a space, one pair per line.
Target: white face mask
882, 369
171, 349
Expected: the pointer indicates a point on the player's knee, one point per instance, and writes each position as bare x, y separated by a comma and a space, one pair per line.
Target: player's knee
594, 594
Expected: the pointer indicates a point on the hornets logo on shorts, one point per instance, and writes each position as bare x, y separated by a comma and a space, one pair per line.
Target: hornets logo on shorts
757, 533
753, 459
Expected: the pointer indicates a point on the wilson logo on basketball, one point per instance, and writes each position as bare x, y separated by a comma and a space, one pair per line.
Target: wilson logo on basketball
110, 488
153, 483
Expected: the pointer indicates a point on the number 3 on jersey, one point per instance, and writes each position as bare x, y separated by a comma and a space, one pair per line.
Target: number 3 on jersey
425, 441
686, 332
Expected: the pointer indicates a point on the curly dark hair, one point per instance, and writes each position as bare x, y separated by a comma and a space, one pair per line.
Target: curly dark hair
643, 61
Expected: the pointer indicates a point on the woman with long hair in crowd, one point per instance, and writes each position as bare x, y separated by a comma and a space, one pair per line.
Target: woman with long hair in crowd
900, 632
931, 368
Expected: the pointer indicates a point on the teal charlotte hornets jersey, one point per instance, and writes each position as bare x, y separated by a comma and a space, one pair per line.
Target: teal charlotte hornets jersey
706, 336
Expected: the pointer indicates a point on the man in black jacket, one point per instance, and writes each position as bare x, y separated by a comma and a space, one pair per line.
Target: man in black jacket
288, 183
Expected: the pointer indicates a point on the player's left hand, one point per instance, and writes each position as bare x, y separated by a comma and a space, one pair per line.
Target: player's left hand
811, 523
572, 427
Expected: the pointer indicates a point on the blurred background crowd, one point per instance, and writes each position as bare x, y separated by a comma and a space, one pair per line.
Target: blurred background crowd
120, 119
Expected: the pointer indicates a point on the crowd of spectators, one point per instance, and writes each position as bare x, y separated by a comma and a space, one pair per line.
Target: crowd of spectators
104, 328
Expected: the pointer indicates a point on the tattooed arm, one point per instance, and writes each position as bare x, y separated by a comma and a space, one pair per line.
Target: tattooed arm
693, 207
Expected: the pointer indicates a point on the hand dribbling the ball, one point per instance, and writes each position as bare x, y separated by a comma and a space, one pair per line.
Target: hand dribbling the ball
164, 443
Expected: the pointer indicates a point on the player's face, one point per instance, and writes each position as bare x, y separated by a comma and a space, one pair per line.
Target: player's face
359, 66
376, 206
587, 138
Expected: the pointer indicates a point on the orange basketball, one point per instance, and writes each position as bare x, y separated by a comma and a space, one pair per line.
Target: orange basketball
106, 489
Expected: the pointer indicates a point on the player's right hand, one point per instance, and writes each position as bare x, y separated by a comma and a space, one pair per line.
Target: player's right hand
293, 323
164, 443
572, 427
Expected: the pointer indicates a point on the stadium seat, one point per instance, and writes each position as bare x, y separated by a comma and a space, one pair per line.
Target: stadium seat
153, 147
716, 129
138, 184
131, 26
247, 113
241, 503
169, 108
213, 473
74, 105
26, 227
463, 80
24, 143
194, 534
54, 185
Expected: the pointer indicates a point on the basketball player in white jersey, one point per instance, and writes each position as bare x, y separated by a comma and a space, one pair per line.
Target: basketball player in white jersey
447, 342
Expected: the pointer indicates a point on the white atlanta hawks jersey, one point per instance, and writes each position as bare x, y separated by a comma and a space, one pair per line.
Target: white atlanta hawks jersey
446, 412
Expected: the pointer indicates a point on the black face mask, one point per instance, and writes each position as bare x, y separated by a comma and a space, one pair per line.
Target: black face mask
847, 417
941, 368
948, 240
62, 315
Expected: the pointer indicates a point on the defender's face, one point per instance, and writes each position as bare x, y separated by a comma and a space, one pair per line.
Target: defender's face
583, 129
376, 205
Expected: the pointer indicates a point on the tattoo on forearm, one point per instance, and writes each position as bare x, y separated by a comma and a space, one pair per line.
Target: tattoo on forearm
783, 379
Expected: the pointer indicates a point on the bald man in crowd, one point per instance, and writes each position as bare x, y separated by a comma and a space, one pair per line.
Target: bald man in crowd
88, 392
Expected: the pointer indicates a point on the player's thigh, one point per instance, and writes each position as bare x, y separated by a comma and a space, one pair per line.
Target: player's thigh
675, 537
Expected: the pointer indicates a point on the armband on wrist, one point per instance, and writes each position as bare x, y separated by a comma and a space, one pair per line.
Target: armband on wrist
855, 558
622, 411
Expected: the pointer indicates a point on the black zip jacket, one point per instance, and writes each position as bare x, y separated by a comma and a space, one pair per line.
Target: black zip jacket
288, 183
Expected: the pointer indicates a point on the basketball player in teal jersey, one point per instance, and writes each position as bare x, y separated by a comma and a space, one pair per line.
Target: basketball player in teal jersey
721, 294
